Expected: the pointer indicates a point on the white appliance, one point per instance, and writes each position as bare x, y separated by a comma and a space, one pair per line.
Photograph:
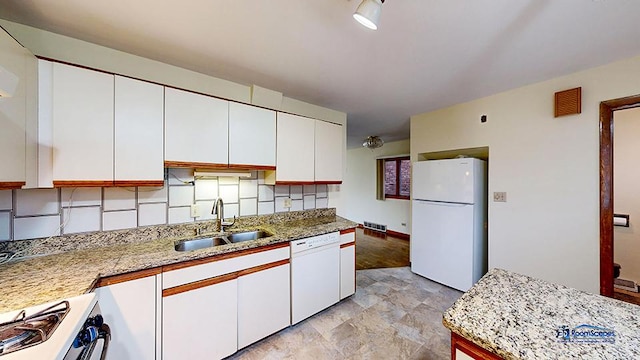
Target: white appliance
315, 275
448, 226
73, 328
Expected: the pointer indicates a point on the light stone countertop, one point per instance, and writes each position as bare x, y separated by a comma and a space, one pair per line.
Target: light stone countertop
517, 317
40, 279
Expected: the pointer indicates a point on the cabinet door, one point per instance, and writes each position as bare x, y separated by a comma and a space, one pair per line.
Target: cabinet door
130, 310
82, 125
329, 143
13, 60
252, 136
200, 323
196, 129
295, 149
139, 116
264, 304
347, 271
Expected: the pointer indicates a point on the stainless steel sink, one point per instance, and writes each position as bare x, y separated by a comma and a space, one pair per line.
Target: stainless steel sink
195, 244
248, 235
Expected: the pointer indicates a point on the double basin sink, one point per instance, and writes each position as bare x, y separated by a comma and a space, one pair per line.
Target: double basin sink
201, 243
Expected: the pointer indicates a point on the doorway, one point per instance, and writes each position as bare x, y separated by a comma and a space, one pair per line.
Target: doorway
606, 188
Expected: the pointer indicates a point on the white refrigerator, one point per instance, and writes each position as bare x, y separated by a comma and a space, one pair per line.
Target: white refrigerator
449, 217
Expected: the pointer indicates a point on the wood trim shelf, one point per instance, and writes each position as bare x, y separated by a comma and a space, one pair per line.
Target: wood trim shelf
82, 183
328, 182
469, 348
10, 185
295, 182
116, 279
230, 255
199, 284
130, 183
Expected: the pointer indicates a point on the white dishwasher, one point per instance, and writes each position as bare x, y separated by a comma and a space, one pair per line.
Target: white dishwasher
315, 275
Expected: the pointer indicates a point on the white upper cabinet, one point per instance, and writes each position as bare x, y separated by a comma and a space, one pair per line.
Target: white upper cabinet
196, 130
252, 136
139, 115
295, 149
15, 62
82, 126
329, 142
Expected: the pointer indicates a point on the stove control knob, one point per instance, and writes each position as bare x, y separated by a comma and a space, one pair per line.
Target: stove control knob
85, 336
96, 321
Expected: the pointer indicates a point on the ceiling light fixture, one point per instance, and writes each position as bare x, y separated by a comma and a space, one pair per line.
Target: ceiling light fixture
368, 13
373, 142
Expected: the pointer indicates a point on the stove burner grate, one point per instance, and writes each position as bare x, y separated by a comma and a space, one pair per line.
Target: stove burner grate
25, 331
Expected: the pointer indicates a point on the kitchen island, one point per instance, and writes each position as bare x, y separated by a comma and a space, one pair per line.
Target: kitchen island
512, 316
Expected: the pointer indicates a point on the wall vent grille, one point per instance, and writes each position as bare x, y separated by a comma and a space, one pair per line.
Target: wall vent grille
374, 226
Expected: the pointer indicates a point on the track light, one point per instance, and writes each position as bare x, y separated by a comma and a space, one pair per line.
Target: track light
368, 13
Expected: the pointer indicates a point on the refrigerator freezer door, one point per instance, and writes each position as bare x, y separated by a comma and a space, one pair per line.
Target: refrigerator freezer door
450, 180
442, 243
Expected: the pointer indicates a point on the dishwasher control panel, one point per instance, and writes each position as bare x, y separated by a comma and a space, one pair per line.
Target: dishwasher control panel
314, 242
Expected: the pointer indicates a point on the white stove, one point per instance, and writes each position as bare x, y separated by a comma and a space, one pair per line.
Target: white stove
60, 335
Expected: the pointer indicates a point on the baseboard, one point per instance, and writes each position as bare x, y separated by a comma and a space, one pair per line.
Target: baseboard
398, 235
395, 234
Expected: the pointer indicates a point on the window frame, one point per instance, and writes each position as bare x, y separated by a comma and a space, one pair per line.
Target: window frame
398, 160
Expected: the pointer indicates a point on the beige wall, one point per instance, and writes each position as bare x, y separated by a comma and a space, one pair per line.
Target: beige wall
626, 190
359, 189
548, 228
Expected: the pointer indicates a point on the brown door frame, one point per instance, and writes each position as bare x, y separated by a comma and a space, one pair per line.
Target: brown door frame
606, 187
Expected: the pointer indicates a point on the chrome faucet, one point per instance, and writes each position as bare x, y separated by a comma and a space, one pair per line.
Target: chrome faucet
218, 210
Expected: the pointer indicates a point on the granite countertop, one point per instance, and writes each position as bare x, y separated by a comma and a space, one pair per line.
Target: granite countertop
40, 279
518, 317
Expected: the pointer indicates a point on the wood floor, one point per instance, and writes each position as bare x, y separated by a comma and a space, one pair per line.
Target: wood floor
376, 250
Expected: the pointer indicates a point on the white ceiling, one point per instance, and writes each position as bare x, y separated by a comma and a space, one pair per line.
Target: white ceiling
427, 54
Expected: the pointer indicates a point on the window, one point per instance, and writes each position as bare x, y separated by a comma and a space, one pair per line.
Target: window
397, 177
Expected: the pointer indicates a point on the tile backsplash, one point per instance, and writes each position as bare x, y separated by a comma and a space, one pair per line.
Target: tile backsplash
38, 213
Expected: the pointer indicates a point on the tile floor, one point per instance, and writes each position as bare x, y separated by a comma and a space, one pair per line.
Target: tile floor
394, 314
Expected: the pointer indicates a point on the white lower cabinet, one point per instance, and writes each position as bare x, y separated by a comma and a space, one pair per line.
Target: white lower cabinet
347, 264
211, 310
264, 304
129, 308
201, 323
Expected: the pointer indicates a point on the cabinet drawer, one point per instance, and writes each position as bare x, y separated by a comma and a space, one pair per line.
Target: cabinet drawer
215, 268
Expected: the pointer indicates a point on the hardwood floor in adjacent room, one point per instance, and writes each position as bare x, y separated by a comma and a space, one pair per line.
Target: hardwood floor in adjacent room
376, 250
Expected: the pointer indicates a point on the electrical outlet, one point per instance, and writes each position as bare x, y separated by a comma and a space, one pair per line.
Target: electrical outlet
500, 196
403, 224
195, 211
287, 202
